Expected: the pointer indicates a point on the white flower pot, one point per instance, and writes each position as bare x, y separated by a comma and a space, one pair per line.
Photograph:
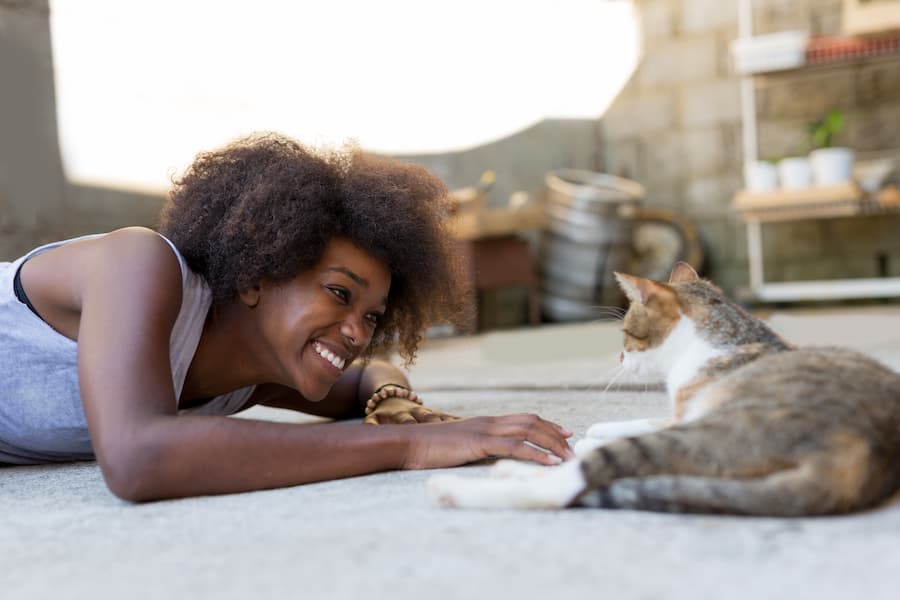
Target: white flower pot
760, 176
794, 172
831, 166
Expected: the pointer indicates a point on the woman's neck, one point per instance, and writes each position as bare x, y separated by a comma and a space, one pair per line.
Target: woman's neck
223, 361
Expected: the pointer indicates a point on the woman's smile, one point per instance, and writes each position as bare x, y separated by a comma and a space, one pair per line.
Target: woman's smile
331, 358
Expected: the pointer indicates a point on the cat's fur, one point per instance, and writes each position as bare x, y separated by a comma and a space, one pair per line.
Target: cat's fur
759, 427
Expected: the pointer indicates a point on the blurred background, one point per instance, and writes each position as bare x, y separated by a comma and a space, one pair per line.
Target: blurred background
757, 139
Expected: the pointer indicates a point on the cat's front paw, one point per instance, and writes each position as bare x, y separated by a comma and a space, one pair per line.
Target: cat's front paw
516, 469
442, 489
587, 445
454, 491
614, 430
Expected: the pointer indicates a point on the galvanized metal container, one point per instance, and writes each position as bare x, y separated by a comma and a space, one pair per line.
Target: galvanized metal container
590, 220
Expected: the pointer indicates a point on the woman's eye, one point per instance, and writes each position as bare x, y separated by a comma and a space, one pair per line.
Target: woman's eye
374, 319
342, 294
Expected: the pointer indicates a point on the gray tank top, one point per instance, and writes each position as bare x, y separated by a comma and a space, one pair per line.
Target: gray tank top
41, 414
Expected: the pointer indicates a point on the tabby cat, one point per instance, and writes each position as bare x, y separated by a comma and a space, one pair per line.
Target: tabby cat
758, 427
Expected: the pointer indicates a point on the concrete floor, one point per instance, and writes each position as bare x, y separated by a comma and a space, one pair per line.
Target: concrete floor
63, 535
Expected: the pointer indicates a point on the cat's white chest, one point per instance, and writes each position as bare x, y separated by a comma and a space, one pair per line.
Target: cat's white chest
684, 354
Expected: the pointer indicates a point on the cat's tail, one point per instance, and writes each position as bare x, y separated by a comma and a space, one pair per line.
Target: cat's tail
790, 493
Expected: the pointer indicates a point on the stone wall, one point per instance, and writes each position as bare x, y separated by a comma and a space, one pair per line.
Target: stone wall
676, 128
31, 178
37, 203
521, 160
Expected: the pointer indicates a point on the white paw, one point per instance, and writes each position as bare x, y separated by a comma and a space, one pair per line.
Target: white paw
542, 488
602, 431
516, 469
443, 489
587, 445
614, 430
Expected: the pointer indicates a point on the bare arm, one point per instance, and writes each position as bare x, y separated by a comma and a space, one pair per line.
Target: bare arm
130, 297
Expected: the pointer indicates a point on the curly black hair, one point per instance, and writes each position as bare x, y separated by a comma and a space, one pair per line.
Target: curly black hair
265, 207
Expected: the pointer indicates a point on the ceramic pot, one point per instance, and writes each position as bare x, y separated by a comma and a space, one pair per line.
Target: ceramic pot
760, 176
831, 166
794, 172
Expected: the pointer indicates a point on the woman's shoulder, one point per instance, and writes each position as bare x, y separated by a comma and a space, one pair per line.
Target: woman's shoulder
131, 258
135, 248
132, 268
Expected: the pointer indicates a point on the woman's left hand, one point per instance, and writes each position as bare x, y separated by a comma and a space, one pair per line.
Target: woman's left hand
402, 408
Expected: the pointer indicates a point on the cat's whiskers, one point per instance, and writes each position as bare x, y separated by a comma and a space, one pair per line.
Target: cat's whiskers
619, 371
611, 317
606, 314
610, 375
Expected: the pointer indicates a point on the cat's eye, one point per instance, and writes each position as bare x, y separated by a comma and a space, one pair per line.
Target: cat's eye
631, 334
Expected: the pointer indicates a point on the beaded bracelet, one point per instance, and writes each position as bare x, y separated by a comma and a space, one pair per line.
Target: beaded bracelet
374, 400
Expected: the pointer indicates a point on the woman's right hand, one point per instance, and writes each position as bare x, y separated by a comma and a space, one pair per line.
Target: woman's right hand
522, 436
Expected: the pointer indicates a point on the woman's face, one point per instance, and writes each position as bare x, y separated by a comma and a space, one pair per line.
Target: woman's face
316, 324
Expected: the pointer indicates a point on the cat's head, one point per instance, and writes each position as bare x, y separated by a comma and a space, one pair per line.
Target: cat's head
654, 312
664, 320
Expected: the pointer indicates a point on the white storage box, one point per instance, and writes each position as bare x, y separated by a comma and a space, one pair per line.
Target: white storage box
769, 52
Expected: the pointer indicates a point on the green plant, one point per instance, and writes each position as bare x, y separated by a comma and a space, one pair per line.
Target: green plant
823, 131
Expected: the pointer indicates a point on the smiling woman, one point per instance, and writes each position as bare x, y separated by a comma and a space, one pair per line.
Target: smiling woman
277, 273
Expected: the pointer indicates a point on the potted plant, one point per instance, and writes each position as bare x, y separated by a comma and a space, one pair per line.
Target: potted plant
795, 172
760, 175
831, 165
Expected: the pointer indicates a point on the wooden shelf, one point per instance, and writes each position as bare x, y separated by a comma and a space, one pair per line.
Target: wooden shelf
837, 51
834, 289
845, 200
848, 200
485, 223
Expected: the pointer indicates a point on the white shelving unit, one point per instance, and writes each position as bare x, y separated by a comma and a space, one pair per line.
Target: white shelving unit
812, 203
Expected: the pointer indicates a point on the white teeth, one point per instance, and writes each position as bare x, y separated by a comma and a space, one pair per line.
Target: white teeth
330, 356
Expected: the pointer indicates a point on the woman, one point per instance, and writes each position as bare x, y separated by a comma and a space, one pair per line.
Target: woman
277, 272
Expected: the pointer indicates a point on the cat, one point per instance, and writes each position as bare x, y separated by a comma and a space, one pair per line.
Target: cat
759, 427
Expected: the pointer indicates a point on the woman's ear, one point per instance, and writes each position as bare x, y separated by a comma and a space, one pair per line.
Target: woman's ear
250, 296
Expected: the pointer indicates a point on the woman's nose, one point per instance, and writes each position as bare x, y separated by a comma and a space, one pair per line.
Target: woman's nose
353, 330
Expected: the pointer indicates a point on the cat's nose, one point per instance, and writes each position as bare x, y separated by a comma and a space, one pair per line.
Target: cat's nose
621, 356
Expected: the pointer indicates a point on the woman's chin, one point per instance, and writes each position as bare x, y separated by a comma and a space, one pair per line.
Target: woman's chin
315, 393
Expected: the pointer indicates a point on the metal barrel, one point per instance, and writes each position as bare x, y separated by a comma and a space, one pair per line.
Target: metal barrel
590, 218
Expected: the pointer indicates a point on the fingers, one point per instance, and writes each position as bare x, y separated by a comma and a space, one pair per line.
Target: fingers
535, 430
424, 415
398, 418
527, 452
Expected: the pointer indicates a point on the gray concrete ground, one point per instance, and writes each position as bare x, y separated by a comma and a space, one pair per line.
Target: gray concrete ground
63, 535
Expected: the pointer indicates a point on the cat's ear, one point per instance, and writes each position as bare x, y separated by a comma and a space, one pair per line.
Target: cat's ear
638, 289
683, 273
